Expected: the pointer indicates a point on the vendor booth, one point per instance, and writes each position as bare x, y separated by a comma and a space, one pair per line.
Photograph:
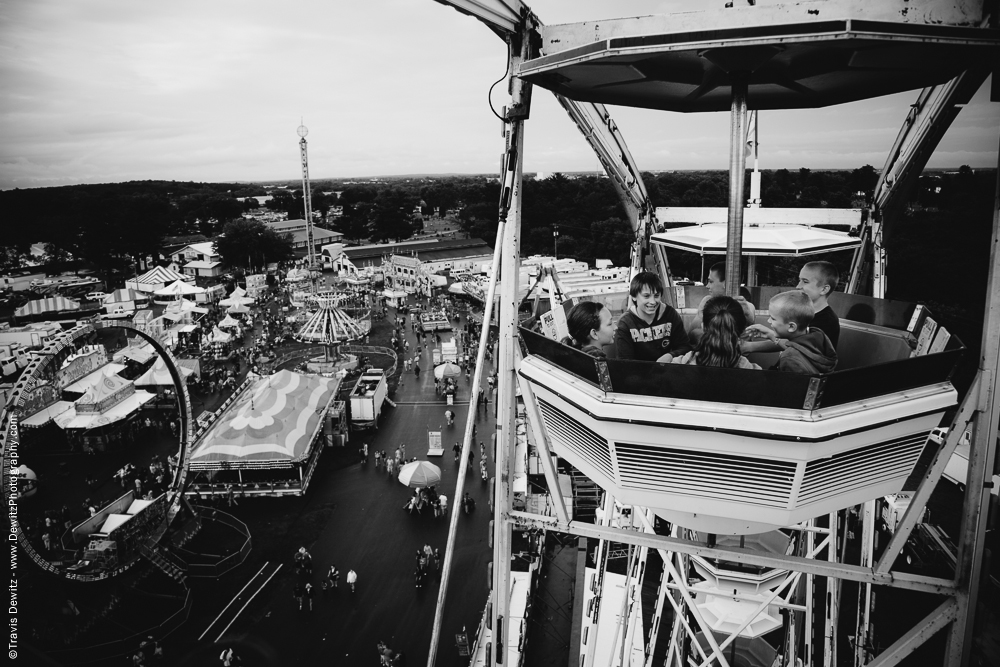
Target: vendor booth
267, 441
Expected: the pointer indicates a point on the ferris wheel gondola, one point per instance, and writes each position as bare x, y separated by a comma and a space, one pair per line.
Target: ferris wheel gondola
704, 447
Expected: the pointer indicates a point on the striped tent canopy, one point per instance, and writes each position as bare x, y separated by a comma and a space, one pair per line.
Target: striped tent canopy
123, 295
156, 278
330, 325
52, 304
274, 420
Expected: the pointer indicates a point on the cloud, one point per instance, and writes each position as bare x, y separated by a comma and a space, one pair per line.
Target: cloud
100, 90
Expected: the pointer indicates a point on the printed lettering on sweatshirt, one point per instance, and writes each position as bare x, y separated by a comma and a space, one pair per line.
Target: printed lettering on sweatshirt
653, 333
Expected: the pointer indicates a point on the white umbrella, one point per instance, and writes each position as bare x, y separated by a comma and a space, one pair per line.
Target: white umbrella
178, 288
419, 474
773, 240
447, 370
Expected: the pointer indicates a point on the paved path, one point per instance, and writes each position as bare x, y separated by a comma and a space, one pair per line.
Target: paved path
360, 524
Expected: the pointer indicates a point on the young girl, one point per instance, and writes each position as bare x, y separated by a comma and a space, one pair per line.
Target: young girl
589, 325
723, 323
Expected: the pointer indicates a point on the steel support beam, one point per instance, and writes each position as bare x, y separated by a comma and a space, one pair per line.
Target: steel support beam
463, 463
737, 555
506, 404
737, 172
972, 536
502, 16
923, 493
917, 635
604, 137
534, 418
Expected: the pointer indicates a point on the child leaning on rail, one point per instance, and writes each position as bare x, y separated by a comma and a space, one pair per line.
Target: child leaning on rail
589, 325
805, 350
722, 323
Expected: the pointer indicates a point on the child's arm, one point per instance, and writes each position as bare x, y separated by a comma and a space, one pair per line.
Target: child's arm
772, 344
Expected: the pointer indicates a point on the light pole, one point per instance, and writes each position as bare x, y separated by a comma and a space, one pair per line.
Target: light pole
555, 241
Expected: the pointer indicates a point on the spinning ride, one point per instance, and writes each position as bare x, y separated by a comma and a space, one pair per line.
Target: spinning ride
330, 326
140, 535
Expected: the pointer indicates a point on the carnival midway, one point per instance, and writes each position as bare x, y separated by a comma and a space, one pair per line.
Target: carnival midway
323, 462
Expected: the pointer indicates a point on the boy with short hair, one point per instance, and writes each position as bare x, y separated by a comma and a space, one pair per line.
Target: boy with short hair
650, 330
716, 284
806, 350
818, 280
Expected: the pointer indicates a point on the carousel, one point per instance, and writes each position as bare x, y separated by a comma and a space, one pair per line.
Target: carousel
330, 326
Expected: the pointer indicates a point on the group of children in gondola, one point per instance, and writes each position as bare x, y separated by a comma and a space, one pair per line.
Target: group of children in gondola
802, 327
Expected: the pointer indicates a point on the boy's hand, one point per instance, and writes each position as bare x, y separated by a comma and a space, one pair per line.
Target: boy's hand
666, 358
767, 332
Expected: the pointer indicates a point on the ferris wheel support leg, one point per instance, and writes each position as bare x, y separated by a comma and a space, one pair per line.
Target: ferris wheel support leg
982, 463
832, 599
507, 407
862, 642
737, 172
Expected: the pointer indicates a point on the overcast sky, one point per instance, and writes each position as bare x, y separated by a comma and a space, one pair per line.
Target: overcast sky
213, 90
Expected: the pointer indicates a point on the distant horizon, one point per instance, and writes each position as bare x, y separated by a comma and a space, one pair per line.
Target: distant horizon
459, 175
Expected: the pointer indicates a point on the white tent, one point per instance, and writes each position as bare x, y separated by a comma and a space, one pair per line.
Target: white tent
159, 376
233, 300
137, 350
238, 309
219, 336
179, 288
228, 321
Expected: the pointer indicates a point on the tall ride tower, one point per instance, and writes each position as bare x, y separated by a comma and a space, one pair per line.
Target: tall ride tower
307, 201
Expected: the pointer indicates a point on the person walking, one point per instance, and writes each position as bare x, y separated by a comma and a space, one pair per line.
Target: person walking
308, 595
299, 593
352, 580
333, 577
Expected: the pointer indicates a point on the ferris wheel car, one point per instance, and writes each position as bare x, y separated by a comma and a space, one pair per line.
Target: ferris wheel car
732, 451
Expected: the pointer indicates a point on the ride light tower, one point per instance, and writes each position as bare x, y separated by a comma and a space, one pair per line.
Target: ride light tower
307, 202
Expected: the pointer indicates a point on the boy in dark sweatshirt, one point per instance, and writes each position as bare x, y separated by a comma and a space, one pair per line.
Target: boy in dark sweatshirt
650, 330
804, 350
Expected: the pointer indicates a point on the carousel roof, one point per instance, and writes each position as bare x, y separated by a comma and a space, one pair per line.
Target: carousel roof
275, 420
329, 325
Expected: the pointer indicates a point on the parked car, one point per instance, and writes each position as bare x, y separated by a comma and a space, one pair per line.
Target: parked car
95, 296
